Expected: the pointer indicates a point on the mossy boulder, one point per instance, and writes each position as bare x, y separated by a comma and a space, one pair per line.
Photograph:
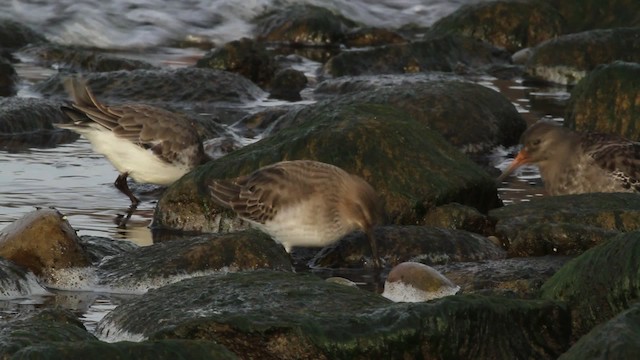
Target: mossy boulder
607, 100
14, 35
599, 284
581, 15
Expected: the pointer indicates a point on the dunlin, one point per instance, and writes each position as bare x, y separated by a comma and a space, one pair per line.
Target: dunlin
303, 203
574, 163
147, 143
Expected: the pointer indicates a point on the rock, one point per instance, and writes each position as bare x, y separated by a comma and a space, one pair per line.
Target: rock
162, 263
287, 84
302, 25
461, 217
415, 282
43, 242
617, 337
97, 248
568, 58
14, 35
51, 325
583, 15
146, 350
452, 53
8, 78
512, 25
368, 36
441, 103
245, 57
565, 225
366, 139
513, 277
598, 284
76, 59
281, 315
606, 100
16, 282
28, 122
398, 244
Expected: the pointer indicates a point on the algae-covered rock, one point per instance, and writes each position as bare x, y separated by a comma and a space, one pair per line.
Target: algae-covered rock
436, 53
568, 58
51, 325
512, 25
410, 243
607, 100
617, 338
568, 224
14, 35
146, 350
583, 15
279, 315
410, 165
461, 217
598, 284
168, 261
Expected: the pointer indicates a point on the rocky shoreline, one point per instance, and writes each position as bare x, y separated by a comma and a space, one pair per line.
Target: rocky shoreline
544, 279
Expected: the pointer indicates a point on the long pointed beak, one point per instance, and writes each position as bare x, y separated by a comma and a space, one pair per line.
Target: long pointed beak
521, 159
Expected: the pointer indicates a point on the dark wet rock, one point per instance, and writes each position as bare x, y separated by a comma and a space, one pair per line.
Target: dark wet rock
51, 325
146, 350
76, 59
43, 242
16, 282
599, 284
606, 100
513, 277
258, 123
302, 25
188, 90
278, 315
583, 15
451, 53
445, 105
461, 217
97, 248
367, 139
287, 84
8, 78
237, 251
512, 25
568, 58
397, 244
245, 57
565, 225
27, 122
618, 337
14, 35
367, 36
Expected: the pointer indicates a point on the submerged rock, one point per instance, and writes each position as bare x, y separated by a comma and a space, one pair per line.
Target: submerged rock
16, 282
8, 78
280, 315
598, 284
43, 242
606, 100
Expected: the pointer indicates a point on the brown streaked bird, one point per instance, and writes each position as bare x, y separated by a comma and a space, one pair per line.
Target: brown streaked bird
303, 203
574, 163
149, 144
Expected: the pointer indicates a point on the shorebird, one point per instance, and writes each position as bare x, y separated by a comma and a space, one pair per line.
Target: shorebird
574, 163
303, 203
149, 144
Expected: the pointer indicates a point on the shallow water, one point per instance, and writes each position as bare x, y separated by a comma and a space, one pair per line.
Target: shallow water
79, 182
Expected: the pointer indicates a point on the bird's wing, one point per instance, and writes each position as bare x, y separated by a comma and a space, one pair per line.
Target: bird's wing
259, 195
619, 156
170, 136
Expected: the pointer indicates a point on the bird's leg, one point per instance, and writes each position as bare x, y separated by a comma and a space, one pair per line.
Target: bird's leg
121, 184
374, 249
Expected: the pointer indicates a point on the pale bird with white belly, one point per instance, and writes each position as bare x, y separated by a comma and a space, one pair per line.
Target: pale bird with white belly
303, 203
149, 144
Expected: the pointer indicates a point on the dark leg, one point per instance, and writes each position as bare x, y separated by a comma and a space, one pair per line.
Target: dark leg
121, 184
374, 249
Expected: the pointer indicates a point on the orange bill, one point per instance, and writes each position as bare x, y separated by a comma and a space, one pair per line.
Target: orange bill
521, 159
